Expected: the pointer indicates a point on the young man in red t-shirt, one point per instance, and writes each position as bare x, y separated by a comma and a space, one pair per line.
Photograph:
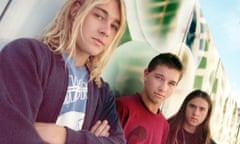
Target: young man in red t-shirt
139, 113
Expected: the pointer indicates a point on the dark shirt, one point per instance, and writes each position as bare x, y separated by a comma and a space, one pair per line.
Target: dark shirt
188, 137
33, 84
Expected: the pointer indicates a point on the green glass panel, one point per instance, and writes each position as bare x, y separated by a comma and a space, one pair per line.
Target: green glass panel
126, 36
203, 63
215, 86
198, 82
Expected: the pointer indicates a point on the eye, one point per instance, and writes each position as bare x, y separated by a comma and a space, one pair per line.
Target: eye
159, 77
191, 106
98, 16
202, 109
115, 27
172, 84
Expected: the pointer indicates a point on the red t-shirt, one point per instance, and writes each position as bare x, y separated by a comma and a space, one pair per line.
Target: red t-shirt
139, 124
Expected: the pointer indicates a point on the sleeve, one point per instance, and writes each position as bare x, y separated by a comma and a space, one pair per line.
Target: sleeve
20, 94
106, 109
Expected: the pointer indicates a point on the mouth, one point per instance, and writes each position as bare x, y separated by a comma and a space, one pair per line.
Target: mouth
159, 95
98, 42
194, 119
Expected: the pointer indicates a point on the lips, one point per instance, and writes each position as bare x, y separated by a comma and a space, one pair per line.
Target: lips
159, 95
194, 119
98, 42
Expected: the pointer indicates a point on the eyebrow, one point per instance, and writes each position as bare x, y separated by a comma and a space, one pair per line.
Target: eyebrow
106, 13
201, 107
162, 75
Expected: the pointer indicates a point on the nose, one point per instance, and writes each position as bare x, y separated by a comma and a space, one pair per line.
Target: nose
105, 30
195, 111
163, 86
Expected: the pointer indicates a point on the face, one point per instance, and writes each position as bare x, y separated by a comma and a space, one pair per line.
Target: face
160, 83
100, 28
196, 113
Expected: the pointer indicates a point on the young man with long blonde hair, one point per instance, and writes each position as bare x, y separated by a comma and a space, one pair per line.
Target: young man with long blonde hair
51, 89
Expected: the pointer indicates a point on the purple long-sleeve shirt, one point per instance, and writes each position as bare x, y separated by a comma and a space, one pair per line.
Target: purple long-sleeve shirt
33, 84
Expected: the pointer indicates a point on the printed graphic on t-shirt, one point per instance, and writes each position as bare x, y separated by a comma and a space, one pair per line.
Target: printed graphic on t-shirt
73, 109
74, 106
137, 136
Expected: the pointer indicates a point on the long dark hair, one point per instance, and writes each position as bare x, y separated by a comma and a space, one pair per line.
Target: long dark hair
203, 133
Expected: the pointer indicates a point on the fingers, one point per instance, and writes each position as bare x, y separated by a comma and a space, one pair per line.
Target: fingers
101, 128
94, 128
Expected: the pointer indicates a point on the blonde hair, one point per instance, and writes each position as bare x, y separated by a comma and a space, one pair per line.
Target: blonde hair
63, 33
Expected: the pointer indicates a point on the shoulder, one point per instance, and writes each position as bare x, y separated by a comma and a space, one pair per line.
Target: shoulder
103, 93
25, 41
105, 85
125, 107
28, 50
104, 90
128, 101
25, 46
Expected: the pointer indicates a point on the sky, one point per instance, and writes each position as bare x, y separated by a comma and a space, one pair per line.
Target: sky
223, 19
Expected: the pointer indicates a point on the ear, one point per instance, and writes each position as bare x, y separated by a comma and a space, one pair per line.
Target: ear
145, 73
75, 7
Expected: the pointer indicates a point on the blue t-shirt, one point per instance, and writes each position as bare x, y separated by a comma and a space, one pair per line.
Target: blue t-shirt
74, 106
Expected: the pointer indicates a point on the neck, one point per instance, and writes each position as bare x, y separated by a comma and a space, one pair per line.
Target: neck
80, 59
151, 106
189, 128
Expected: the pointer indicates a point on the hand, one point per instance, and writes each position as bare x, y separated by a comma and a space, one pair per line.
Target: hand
51, 133
101, 128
